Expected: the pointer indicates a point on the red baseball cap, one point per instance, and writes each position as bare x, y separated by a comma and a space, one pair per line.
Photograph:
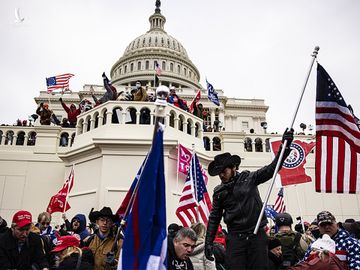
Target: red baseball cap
65, 242
22, 218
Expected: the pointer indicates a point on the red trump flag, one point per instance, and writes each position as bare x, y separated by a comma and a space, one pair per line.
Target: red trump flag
293, 171
58, 202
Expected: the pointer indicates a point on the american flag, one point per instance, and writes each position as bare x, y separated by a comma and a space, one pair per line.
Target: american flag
279, 205
194, 206
59, 81
157, 69
337, 163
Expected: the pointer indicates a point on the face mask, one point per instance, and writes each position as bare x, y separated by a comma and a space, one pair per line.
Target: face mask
316, 233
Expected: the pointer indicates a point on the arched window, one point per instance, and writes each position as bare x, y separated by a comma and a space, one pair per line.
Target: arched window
72, 139
216, 144
145, 116
96, 116
248, 145
20, 138
185, 71
258, 145
172, 119
178, 69
116, 115
64, 139
31, 138
9, 137
131, 67
147, 65
130, 116
206, 143
139, 66
125, 68
163, 65
171, 67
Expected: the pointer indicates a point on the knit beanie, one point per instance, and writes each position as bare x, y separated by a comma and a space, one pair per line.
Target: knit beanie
273, 243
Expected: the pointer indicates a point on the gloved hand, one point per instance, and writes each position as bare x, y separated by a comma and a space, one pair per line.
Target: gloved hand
209, 254
60, 99
288, 136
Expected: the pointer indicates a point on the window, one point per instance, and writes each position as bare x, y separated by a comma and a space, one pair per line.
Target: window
163, 65
125, 68
245, 125
131, 67
139, 66
185, 70
171, 67
178, 69
147, 65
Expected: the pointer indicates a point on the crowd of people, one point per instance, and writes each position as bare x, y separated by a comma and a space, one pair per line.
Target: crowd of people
76, 244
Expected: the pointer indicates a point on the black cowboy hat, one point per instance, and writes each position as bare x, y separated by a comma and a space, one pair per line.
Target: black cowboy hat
223, 161
105, 212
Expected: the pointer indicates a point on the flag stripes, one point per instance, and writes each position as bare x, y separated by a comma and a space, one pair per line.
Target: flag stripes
337, 140
59, 81
279, 205
194, 203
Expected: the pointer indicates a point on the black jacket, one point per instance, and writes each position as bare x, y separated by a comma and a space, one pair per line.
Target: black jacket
173, 263
32, 252
239, 202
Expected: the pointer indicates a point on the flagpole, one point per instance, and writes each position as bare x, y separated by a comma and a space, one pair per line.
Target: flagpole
68, 189
177, 169
192, 163
313, 55
301, 217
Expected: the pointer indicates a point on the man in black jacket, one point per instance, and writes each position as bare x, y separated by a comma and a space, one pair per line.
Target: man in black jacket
179, 249
20, 248
237, 199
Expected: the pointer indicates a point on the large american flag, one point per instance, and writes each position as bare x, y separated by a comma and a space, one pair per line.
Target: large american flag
279, 205
194, 206
58, 82
337, 163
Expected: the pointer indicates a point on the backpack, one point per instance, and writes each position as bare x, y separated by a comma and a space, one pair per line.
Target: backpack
290, 243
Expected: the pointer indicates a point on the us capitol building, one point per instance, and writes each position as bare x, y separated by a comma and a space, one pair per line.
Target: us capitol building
106, 154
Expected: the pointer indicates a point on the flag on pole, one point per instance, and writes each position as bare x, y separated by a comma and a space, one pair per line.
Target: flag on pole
279, 205
59, 81
293, 171
156, 81
337, 163
195, 101
212, 94
194, 203
58, 202
270, 212
145, 241
184, 158
158, 69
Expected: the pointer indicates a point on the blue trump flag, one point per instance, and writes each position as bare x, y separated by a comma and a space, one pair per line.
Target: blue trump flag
145, 241
270, 212
212, 95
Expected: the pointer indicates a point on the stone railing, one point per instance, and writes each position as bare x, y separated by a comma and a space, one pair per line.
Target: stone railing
127, 113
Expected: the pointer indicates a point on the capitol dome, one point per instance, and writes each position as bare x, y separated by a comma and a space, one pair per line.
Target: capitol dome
156, 46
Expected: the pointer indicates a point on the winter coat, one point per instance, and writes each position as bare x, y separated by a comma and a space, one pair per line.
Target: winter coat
274, 261
315, 263
100, 248
141, 95
347, 249
71, 115
32, 252
198, 258
239, 202
82, 231
173, 262
45, 115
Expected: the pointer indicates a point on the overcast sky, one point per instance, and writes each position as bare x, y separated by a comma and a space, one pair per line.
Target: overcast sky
250, 49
